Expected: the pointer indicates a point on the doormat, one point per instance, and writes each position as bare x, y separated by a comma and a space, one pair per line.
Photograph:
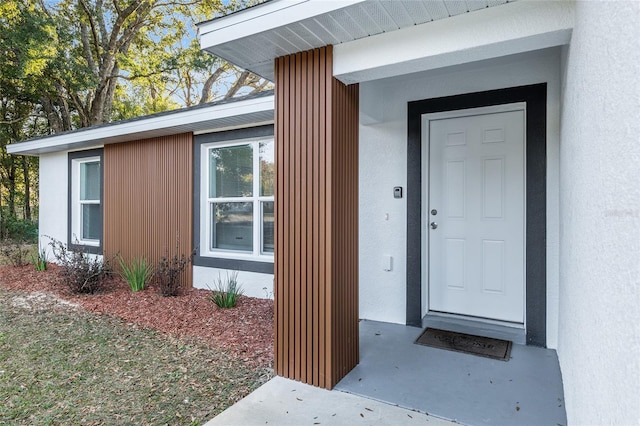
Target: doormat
467, 343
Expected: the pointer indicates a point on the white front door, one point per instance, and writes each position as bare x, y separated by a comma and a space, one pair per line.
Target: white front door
476, 211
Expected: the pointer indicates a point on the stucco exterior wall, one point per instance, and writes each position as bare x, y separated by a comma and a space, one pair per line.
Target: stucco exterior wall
54, 186
599, 336
383, 165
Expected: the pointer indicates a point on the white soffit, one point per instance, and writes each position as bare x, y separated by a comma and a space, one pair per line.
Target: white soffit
253, 111
253, 38
514, 28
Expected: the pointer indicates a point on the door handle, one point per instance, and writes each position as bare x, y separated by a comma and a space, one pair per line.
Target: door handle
434, 225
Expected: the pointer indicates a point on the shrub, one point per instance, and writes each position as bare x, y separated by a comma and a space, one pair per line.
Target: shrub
168, 273
136, 274
15, 252
227, 291
39, 260
19, 229
81, 272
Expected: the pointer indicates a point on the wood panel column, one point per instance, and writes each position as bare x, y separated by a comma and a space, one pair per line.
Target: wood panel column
316, 242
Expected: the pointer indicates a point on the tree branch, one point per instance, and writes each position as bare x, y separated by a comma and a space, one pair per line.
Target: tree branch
44, 8
94, 33
206, 88
260, 87
18, 120
239, 84
138, 76
101, 25
84, 38
178, 3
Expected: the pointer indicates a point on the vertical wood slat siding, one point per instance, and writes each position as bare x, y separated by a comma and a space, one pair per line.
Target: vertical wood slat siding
345, 230
316, 267
148, 200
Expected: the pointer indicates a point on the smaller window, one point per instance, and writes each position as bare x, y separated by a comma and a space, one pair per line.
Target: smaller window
90, 215
85, 204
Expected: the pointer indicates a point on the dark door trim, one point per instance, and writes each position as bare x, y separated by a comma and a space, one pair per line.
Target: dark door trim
535, 97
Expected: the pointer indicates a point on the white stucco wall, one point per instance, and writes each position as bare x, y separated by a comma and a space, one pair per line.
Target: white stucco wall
599, 336
383, 165
253, 284
53, 199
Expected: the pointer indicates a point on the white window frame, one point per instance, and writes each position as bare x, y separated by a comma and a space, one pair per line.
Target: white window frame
77, 203
206, 203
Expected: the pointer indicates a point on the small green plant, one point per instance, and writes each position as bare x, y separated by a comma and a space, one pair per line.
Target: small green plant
39, 260
226, 292
136, 274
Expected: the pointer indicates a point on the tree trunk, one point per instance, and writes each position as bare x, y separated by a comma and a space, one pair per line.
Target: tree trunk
108, 102
2, 227
27, 188
55, 124
63, 105
12, 188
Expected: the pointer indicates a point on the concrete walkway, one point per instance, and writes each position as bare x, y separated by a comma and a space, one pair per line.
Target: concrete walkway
282, 401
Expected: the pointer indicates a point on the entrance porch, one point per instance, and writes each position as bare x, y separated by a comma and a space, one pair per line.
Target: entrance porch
526, 390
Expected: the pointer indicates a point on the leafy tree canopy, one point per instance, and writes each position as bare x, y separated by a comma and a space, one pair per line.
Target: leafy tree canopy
68, 64
86, 62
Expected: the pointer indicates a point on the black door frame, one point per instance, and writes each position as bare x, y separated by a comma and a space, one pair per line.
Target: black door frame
535, 97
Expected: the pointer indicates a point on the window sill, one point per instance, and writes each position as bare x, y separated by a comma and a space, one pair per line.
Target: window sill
92, 249
237, 255
262, 265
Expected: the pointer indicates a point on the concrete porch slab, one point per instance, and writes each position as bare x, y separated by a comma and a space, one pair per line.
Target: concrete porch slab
467, 389
282, 401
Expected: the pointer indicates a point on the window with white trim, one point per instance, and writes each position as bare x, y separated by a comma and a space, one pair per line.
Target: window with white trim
85, 205
237, 193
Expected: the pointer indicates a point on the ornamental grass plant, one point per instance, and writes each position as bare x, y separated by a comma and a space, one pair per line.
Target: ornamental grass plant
226, 292
137, 273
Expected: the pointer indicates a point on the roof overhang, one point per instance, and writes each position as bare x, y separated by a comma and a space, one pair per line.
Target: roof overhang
253, 38
252, 111
513, 28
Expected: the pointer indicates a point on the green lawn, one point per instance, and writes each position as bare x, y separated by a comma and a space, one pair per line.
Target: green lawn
59, 365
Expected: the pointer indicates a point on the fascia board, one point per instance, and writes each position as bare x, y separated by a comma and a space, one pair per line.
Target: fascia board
264, 18
488, 33
181, 121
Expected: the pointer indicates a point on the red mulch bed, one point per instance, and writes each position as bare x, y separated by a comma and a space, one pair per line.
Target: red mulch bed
245, 332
